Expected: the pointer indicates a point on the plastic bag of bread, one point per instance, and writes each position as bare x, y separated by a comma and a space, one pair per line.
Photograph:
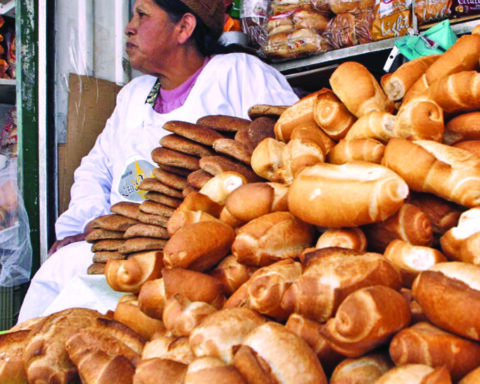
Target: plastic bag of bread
350, 6
428, 11
391, 19
349, 29
280, 6
254, 16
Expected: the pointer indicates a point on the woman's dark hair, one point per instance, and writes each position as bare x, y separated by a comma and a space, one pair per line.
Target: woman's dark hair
205, 39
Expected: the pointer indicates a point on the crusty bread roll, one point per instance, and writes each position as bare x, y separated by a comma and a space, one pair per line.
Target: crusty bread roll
424, 343
409, 223
279, 354
308, 330
458, 92
128, 312
221, 185
220, 333
472, 146
181, 218
152, 298
397, 83
448, 172
266, 287
299, 113
267, 159
369, 150
197, 201
346, 195
453, 285
368, 95
363, 369
252, 200
459, 243
130, 274
207, 370
366, 319
331, 115
181, 315
353, 238
149, 370
472, 377
419, 118
373, 125
11, 357
169, 347
415, 374
418, 314
411, 259
330, 275
313, 132
199, 246
230, 274
462, 127
271, 237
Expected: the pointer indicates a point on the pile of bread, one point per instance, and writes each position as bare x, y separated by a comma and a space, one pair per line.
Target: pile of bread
353, 259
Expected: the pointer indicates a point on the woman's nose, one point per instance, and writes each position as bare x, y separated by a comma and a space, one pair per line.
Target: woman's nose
129, 29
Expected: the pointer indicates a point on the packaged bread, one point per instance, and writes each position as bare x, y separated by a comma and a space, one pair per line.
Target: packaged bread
391, 19
349, 29
428, 11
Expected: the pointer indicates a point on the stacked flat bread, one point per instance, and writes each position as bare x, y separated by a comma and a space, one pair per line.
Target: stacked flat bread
352, 256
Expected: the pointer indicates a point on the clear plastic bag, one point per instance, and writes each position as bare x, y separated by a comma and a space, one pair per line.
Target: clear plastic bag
254, 16
15, 246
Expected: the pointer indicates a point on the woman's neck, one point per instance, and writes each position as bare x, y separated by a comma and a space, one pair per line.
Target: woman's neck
182, 69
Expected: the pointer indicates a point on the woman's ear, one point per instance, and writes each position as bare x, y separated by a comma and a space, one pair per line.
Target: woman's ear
185, 27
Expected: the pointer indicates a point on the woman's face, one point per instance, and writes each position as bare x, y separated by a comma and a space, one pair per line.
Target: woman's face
151, 41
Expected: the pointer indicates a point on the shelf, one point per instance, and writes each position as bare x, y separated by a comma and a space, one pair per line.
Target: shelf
7, 91
7, 7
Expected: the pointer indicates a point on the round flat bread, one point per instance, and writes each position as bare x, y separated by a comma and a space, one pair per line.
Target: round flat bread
152, 184
195, 132
189, 190
223, 123
96, 269
146, 230
163, 199
233, 148
103, 234
139, 244
126, 208
261, 128
154, 208
218, 164
148, 218
107, 245
184, 145
266, 110
175, 170
113, 222
198, 179
243, 137
172, 158
170, 179
104, 256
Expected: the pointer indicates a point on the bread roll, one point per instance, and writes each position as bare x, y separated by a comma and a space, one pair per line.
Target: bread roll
207, 370
222, 331
197, 201
448, 172
473, 376
462, 127
314, 133
280, 355
409, 223
331, 115
271, 237
369, 150
12, 345
221, 185
230, 274
366, 319
130, 274
267, 159
368, 95
363, 369
472, 146
299, 113
453, 285
353, 238
415, 374
223, 123
252, 200
169, 347
346, 195
373, 125
424, 343
199, 246
181, 218
397, 83
128, 312
149, 370
152, 298
330, 275
411, 259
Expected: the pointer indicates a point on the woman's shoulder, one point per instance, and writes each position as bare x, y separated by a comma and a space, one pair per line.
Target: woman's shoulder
139, 86
239, 60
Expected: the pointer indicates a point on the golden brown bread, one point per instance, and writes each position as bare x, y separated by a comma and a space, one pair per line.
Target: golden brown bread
197, 201
220, 333
258, 110
415, 374
152, 298
350, 195
196, 132
366, 319
363, 369
230, 274
126, 208
331, 115
367, 96
199, 246
313, 132
448, 172
411, 259
462, 127
424, 343
130, 274
330, 275
353, 238
280, 354
146, 230
113, 222
409, 223
128, 312
472, 146
267, 159
102, 234
453, 285
149, 370
12, 345
369, 150
174, 158
271, 237
259, 129
233, 148
168, 178
169, 347
221, 185
397, 84
207, 370
181, 218
472, 377
377, 125
223, 123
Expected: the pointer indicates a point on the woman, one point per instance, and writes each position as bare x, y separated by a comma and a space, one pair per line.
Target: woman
173, 43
